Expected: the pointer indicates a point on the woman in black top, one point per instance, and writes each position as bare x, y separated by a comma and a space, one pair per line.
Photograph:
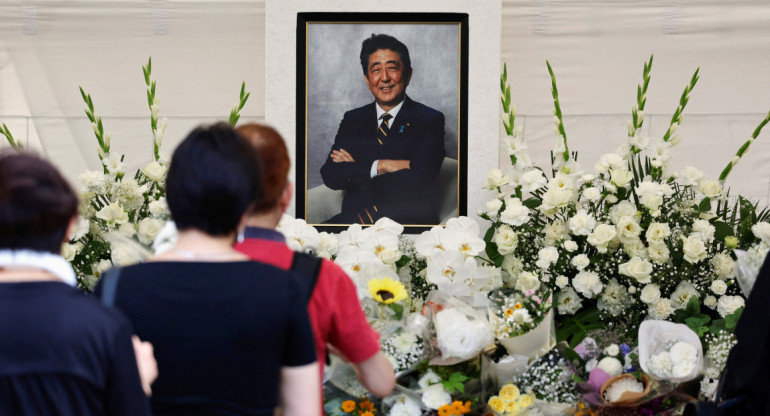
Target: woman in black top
231, 337
61, 352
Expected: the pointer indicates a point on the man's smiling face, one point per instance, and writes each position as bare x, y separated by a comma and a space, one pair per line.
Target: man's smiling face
387, 78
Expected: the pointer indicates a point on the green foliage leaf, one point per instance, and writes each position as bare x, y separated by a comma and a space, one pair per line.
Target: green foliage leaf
573, 328
398, 309
705, 205
455, 382
532, 203
722, 230
403, 261
732, 320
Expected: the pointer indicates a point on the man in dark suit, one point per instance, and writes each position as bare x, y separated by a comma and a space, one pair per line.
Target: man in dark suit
387, 154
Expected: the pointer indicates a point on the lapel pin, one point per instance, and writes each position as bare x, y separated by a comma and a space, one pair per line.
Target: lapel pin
401, 130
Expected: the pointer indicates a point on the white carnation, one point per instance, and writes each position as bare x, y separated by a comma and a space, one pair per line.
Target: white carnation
650, 294
622, 209
532, 180
405, 406
710, 302
428, 379
723, 265
729, 304
159, 208
555, 231
581, 261
547, 256
570, 246
690, 176
719, 287
660, 309
710, 188
592, 194
515, 213
762, 231
562, 281
493, 207
587, 283
704, 230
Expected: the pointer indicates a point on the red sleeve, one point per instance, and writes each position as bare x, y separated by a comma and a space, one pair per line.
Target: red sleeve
349, 332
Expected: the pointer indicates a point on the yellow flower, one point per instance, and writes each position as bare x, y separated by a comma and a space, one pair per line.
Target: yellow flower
387, 290
509, 392
445, 410
366, 413
518, 306
496, 403
348, 406
512, 407
525, 400
366, 405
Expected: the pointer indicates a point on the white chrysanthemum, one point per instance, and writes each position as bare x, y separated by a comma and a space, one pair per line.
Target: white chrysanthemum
690, 176
694, 249
159, 208
729, 304
568, 301
661, 364
612, 350
515, 213
650, 294
506, 239
637, 268
601, 237
435, 396
496, 178
622, 209
723, 265
581, 261
555, 231
611, 366
428, 379
582, 223
592, 194
570, 246
546, 257
660, 309
684, 291
587, 283
719, 287
657, 233
527, 281
762, 231
562, 281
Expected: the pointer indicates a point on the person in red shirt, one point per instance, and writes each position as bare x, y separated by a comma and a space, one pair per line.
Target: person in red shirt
336, 316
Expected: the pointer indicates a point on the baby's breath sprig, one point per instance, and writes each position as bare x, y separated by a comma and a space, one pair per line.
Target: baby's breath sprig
96, 122
743, 149
637, 111
16, 145
676, 119
158, 127
557, 112
235, 112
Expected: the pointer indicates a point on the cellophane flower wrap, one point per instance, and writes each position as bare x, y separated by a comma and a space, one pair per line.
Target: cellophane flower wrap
522, 321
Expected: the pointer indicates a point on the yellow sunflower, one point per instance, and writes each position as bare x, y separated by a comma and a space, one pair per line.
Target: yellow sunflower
387, 290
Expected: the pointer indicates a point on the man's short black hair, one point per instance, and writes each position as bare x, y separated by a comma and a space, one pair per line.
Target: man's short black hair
36, 204
382, 41
213, 178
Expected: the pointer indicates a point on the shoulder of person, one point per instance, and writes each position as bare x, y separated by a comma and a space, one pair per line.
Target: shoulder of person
422, 110
362, 111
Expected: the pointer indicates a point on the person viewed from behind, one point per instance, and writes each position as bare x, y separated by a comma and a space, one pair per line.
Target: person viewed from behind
231, 336
61, 352
335, 312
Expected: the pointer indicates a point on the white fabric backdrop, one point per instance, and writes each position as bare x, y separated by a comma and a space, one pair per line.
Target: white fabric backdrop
203, 50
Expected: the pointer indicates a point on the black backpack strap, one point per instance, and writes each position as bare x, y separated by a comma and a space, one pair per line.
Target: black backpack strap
110, 286
308, 266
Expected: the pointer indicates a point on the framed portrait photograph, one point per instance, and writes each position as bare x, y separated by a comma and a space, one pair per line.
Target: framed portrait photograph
381, 118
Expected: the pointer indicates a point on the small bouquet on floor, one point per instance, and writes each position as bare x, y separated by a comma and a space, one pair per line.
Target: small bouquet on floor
522, 321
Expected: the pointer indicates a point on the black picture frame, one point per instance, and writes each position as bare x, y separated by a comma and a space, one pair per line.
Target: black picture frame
316, 117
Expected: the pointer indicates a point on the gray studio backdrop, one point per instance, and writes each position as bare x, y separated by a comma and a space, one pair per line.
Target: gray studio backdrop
336, 80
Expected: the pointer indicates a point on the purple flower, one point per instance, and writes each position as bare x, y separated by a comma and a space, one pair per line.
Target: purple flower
625, 349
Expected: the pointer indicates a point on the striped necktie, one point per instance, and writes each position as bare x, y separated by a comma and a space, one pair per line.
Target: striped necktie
382, 131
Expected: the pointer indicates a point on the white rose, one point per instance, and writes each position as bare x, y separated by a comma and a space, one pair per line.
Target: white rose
154, 171
690, 176
554, 199
581, 261
159, 208
611, 199
496, 178
650, 294
611, 366
621, 177
613, 350
546, 257
637, 268
658, 253
694, 249
602, 236
729, 304
527, 281
493, 207
561, 281
592, 194
515, 213
506, 239
628, 229
582, 223
570, 246
652, 202
657, 232
389, 256
719, 287
69, 251
587, 284
112, 214
148, 229
710, 188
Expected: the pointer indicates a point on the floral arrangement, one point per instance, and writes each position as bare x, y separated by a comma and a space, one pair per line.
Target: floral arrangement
509, 401
518, 313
